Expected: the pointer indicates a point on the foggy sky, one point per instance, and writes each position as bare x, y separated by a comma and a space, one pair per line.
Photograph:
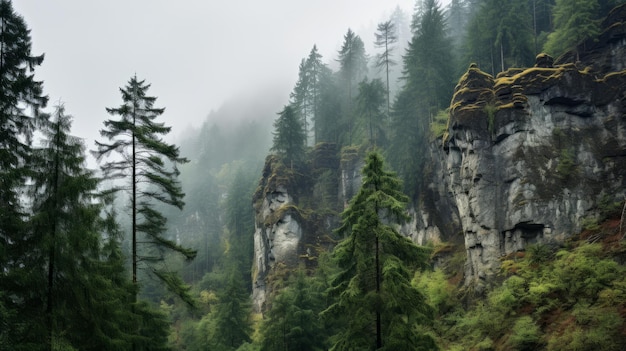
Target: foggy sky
196, 54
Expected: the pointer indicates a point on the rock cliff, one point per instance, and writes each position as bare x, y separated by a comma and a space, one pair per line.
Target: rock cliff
529, 157
533, 153
296, 209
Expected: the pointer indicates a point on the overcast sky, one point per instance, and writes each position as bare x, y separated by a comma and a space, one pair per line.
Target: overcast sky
196, 54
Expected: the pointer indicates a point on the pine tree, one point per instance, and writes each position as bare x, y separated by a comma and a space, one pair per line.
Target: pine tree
500, 35
328, 108
232, 326
574, 21
373, 291
148, 165
315, 69
239, 220
65, 215
385, 38
289, 137
292, 323
300, 97
352, 69
369, 103
21, 99
306, 94
427, 88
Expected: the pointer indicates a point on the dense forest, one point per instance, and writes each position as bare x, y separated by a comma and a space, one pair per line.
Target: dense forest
154, 250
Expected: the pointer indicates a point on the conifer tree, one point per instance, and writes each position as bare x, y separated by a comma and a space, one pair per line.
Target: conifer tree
232, 325
305, 97
574, 21
147, 168
65, 215
289, 137
292, 323
352, 69
328, 108
239, 220
370, 100
374, 300
427, 88
300, 97
385, 38
21, 98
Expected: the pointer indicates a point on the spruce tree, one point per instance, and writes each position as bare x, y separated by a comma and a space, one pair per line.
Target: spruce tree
65, 216
574, 21
386, 36
146, 167
292, 323
375, 302
428, 84
232, 325
88, 297
21, 98
289, 137
305, 97
370, 101
239, 220
328, 109
352, 69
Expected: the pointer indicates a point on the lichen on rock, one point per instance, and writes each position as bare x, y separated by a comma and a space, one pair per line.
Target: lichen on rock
531, 152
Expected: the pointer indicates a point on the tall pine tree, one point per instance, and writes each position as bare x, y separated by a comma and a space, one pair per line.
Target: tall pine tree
428, 84
87, 297
374, 300
21, 98
385, 38
289, 137
147, 168
352, 69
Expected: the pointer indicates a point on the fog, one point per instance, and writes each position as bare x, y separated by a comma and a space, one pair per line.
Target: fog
196, 54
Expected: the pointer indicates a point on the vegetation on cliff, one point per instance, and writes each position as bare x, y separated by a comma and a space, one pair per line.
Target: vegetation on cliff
65, 283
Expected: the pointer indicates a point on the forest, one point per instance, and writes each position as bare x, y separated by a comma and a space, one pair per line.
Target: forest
154, 249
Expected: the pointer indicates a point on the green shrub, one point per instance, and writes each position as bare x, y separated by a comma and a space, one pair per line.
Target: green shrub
566, 167
525, 334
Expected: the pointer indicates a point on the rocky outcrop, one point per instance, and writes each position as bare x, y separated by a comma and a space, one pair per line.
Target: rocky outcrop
528, 157
533, 152
296, 210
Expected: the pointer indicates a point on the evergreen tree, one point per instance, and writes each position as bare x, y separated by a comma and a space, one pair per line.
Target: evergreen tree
306, 94
65, 215
457, 17
574, 21
141, 163
232, 326
427, 89
541, 13
369, 103
292, 322
385, 38
352, 69
88, 299
21, 99
289, 137
374, 298
300, 97
328, 108
239, 218
427, 63
315, 69
503, 31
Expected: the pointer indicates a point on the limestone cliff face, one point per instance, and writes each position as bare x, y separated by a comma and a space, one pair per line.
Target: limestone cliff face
295, 212
531, 153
